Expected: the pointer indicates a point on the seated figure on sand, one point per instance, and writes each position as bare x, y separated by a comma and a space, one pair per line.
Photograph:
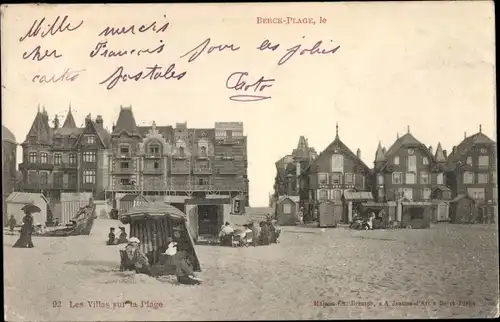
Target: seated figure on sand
226, 234
122, 239
132, 258
111, 237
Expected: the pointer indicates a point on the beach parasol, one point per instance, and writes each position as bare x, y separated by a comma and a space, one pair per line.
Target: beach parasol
31, 208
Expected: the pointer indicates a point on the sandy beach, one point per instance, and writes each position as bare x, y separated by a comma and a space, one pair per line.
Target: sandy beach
445, 271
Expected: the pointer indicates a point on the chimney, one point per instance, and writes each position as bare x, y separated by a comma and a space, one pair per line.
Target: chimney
445, 153
358, 153
454, 150
113, 127
88, 119
297, 173
430, 150
56, 122
99, 121
465, 135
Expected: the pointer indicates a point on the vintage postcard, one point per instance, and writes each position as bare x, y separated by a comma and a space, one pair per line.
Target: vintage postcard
171, 162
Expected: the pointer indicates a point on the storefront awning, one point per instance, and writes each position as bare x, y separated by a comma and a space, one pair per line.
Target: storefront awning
358, 195
374, 204
416, 203
214, 201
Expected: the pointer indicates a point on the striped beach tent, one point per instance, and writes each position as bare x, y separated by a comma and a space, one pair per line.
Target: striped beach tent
155, 225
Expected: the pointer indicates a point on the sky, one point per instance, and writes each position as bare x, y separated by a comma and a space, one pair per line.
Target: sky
429, 66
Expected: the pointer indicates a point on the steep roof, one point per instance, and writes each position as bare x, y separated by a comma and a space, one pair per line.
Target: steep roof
126, 122
467, 144
7, 135
407, 140
337, 143
40, 129
69, 122
440, 157
380, 154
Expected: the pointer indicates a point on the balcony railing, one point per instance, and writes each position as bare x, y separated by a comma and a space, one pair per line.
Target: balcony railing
124, 171
52, 185
157, 186
180, 170
36, 166
152, 155
128, 187
153, 171
123, 155
202, 170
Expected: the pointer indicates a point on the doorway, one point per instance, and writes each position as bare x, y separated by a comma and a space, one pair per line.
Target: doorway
209, 221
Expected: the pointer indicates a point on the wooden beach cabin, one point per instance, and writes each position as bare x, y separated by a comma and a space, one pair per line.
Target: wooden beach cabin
129, 201
287, 209
156, 224
416, 214
329, 213
17, 200
462, 209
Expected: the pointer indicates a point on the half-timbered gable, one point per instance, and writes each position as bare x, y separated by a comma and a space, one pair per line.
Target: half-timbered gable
336, 170
407, 170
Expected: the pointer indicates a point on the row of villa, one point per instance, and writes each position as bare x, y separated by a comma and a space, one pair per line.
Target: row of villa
409, 181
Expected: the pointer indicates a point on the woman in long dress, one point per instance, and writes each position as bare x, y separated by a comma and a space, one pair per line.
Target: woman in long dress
24, 240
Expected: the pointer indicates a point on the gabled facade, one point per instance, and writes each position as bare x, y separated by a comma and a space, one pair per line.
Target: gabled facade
471, 168
408, 170
64, 159
336, 170
178, 162
288, 180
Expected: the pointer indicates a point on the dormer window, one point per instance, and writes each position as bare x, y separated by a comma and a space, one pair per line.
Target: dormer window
154, 148
91, 139
181, 151
469, 160
396, 160
425, 161
203, 151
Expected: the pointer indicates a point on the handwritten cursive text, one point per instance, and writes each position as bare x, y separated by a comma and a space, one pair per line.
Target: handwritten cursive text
54, 28
67, 76
36, 54
201, 48
290, 52
102, 50
152, 73
132, 29
235, 81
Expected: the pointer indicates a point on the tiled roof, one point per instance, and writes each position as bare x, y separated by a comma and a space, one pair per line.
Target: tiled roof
69, 123
126, 121
467, 144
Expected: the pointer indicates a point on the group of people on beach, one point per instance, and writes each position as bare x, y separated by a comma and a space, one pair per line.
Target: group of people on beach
121, 239
262, 233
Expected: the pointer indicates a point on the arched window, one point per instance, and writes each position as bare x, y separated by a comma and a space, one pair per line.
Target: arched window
203, 151
469, 160
425, 160
181, 151
154, 148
